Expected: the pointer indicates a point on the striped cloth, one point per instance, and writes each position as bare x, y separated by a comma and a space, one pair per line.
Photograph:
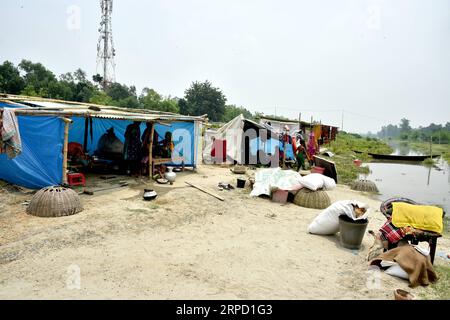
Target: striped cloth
391, 233
10, 134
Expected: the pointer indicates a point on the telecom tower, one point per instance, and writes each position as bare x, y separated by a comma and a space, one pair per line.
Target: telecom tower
105, 46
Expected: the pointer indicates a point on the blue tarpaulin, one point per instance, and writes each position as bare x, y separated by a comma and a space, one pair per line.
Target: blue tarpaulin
269, 147
40, 163
183, 134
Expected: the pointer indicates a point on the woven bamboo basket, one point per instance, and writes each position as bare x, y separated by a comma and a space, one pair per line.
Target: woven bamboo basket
54, 201
239, 169
318, 199
364, 185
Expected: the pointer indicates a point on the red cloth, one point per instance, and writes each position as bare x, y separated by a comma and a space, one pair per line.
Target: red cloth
294, 145
391, 233
75, 149
221, 147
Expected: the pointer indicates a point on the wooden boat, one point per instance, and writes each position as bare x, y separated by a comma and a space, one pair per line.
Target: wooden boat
401, 158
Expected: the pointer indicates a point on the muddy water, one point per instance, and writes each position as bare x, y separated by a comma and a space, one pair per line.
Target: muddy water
412, 180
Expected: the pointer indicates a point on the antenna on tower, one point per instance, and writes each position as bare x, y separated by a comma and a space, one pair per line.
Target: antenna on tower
105, 46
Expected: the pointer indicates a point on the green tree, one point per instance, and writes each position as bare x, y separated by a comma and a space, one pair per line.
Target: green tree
202, 98
123, 96
231, 112
38, 79
10, 80
404, 126
100, 97
150, 99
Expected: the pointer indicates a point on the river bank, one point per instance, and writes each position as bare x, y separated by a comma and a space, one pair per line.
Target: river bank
344, 148
187, 245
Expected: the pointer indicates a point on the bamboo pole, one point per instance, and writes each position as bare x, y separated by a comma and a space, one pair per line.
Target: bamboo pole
205, 191
431, 143
150, 152
66, 144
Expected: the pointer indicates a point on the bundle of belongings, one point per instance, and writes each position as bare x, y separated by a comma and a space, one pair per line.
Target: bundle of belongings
109, 146
408, 221
272, 179
408, 262
327, 222
10, 142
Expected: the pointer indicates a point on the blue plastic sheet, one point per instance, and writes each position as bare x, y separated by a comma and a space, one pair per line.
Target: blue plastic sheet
269, 147
40, 163
182, 135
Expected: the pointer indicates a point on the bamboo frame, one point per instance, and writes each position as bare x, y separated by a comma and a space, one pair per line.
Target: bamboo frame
65, 148
150, 152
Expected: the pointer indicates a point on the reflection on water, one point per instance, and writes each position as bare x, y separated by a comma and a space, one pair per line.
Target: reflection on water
403, 149
414, 181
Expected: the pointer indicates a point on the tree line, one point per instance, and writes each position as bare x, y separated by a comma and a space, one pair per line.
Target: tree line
34, 79
436, 132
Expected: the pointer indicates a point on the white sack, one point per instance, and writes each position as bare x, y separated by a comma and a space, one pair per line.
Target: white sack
328, 183
316, 181
327, 222
397, 271
313, 181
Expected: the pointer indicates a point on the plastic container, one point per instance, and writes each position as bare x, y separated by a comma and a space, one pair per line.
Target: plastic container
317, 170
357, 162
400, 294
280, 196
240, 183
352, 231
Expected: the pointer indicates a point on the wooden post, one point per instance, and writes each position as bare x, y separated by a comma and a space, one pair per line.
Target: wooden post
150, 152
431, 143
66, 143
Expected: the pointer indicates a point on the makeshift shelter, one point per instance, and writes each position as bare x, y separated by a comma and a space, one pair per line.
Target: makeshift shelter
47, 126
243, 141
323, 133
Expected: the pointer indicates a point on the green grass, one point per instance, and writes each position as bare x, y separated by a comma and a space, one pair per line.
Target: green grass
440, 290
344, 148
443, 149
428, 162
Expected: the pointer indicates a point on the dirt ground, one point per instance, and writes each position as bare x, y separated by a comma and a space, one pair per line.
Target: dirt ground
185, 245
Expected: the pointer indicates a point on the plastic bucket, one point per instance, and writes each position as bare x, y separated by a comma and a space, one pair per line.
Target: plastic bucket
240, 183
352, 231
317, 170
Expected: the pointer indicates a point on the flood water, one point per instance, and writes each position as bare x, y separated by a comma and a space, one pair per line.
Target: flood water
412, 180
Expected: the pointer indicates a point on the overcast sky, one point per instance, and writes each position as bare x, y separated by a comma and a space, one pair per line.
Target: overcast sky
378, 60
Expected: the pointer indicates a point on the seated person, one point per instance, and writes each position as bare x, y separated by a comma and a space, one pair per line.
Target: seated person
167, 145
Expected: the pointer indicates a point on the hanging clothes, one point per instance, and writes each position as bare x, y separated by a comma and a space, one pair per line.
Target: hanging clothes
312, 145
10, 142
132, 146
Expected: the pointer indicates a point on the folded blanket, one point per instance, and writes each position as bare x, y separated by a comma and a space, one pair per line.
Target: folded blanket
418, 266
427, 218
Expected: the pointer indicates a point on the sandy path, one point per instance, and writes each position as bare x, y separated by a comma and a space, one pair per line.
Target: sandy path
186, 245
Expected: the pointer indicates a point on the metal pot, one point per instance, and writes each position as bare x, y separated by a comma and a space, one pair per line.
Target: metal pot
170, 175
150, 194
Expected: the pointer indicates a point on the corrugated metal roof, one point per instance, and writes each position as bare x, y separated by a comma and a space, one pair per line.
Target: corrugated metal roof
73, 109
